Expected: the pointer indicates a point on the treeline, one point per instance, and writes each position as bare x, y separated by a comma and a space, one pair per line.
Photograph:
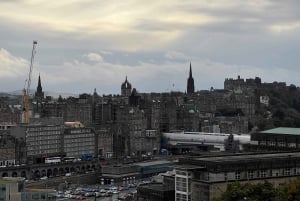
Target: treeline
283, 109
261, 192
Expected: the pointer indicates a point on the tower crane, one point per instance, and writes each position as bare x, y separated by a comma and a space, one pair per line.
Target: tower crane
26, 90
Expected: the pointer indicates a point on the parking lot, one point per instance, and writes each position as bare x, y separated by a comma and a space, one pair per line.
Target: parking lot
98, 192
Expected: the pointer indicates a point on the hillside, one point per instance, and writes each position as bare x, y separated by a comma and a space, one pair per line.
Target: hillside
283, 109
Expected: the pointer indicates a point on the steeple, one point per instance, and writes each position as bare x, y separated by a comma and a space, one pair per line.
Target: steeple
39, 94
191, 70
190, 82
126, 88
39, 87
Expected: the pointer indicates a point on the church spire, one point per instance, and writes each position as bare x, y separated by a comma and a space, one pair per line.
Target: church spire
191, 70
39, 94
190, 82
39, 84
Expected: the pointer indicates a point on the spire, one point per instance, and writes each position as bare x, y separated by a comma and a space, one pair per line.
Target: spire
39, 82
39, 94
191, 69
190, 82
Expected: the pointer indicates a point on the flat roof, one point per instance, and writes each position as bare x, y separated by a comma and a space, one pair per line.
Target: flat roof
282, 131
248, 157
159, 162
156, 187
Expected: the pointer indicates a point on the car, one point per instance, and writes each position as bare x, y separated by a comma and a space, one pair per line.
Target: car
44, 178
68, 174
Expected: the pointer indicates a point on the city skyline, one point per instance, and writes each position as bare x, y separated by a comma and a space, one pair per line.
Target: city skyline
95, 44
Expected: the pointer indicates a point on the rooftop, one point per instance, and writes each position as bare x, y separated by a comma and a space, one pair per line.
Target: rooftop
156, 187
283, 131
248, 157
159, 162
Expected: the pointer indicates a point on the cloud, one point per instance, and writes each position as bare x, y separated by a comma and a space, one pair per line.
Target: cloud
101, 42
175, 55
11, 66
105, 52
94, 57
279, 28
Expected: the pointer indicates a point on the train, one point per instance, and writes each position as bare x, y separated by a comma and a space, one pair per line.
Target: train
216, 139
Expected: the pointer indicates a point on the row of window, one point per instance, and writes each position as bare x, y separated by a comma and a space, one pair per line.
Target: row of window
178, 172
79, 135
52, 128
79, 144
251, 174
79, 149
42, 138
80, 131
279, 144
50, 133
44, 142
48, 151
183, 197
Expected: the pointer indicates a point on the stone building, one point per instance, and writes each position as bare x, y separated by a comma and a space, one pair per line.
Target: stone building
8, 149
9, 116
240, 84
41, 141
70, 109
78, 141
207, 177
131, 137
104, 142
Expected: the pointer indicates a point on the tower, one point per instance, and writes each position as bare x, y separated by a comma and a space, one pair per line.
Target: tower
39, 94
126, 88
190, 82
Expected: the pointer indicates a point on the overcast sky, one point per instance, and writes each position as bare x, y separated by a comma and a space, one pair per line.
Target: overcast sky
87, 44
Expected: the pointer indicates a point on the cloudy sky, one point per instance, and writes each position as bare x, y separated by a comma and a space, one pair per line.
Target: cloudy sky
90, 44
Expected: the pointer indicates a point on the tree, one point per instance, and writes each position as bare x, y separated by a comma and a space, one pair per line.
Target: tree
250, 192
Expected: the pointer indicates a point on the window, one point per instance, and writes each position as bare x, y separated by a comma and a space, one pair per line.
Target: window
287, 171
180, 197
262, 173
181, 184
250, 174
237, 175
180, 172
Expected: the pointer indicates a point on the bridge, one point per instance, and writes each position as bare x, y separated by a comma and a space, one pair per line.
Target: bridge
36, 171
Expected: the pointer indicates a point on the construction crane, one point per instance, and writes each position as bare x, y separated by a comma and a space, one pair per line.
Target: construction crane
26, 90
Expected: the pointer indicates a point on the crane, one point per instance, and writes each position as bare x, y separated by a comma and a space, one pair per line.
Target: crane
26, 90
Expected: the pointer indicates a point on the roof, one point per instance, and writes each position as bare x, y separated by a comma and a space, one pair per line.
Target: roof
156, 187
282, 131
249, 157
150, 163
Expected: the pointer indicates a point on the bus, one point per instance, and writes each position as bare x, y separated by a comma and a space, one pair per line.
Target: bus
53, 160
69, 159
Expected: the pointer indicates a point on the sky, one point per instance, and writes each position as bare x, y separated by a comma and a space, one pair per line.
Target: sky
83, 45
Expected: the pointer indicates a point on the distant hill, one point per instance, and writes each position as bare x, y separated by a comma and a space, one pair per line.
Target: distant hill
32, 91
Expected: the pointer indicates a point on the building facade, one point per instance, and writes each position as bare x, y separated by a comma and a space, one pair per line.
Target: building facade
207, 177
281, 138
79, 141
